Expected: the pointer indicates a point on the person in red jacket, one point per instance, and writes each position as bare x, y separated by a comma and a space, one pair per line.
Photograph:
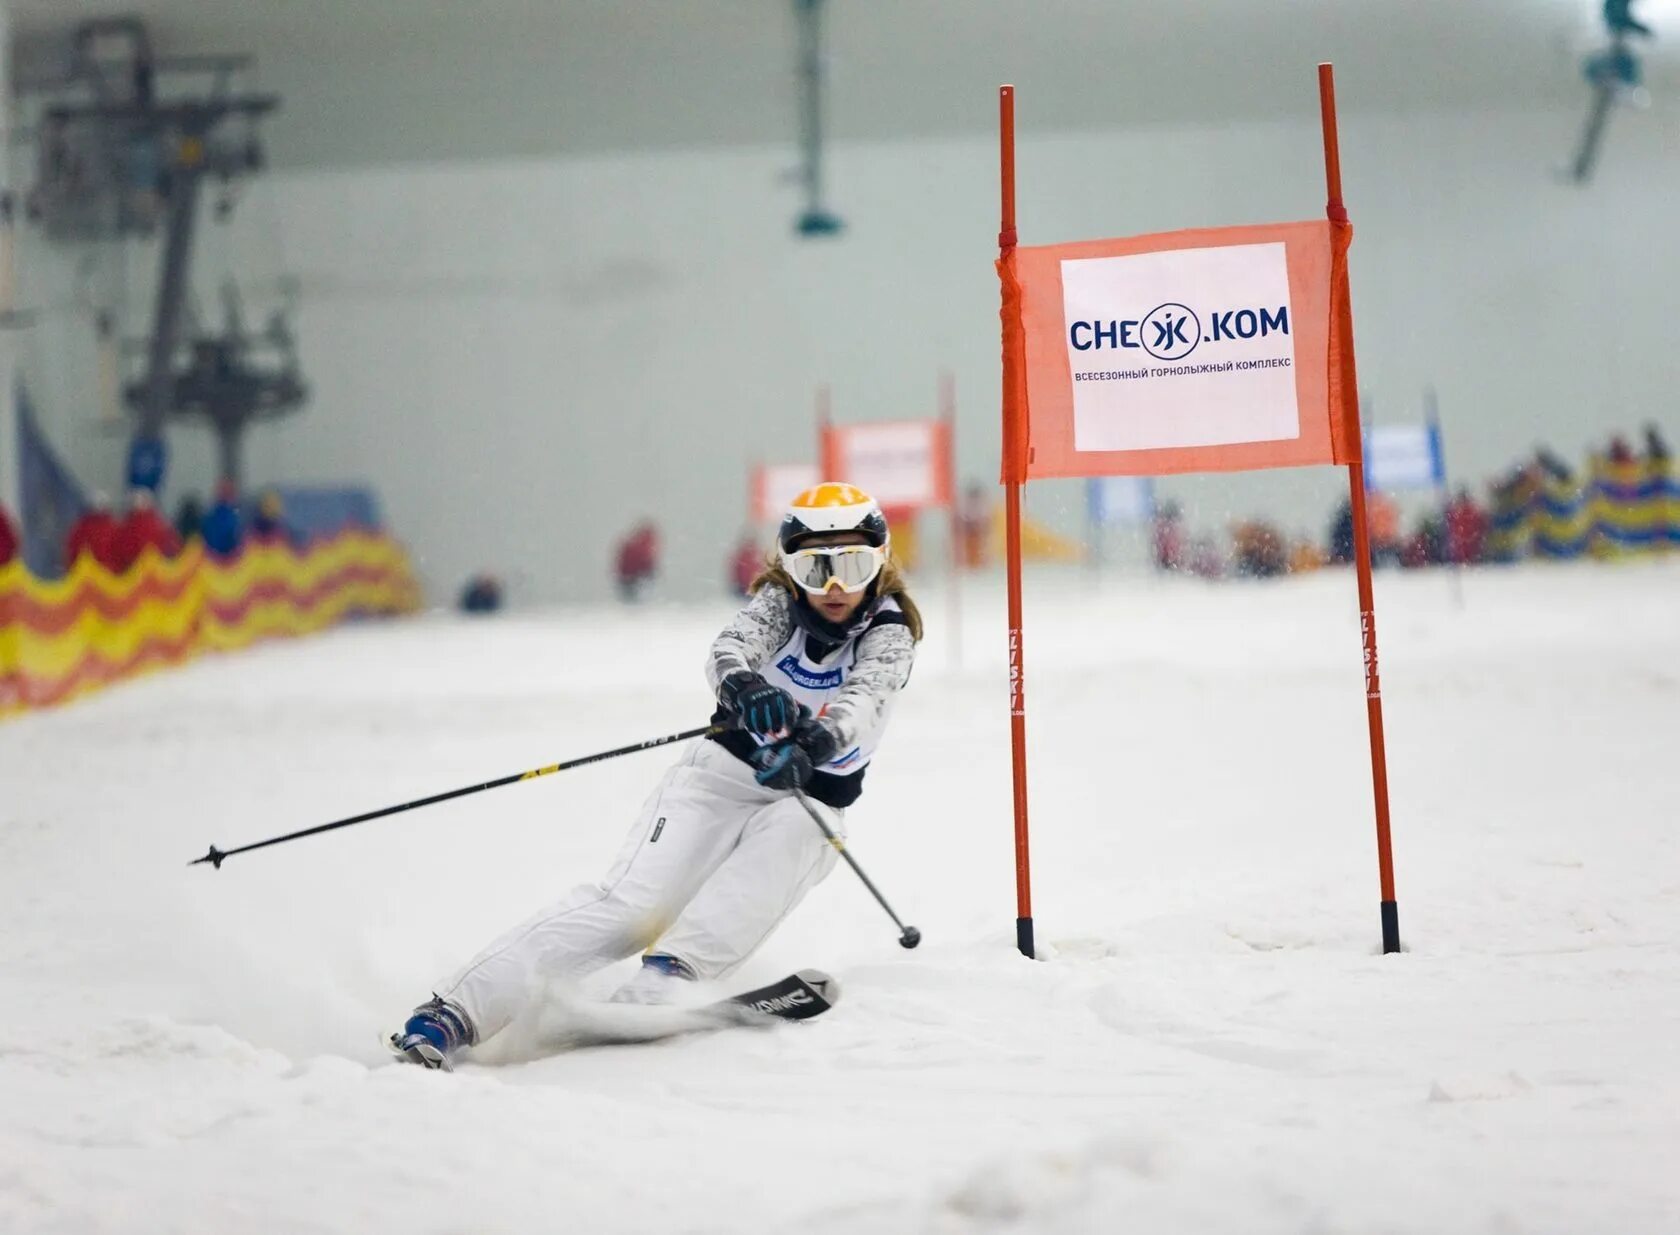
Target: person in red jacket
1168, 536
1467, 529
94, 532
143, 526
747, 564
9, 544
638, 560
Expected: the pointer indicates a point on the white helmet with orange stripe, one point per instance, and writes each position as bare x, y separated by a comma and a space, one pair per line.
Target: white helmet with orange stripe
833, 535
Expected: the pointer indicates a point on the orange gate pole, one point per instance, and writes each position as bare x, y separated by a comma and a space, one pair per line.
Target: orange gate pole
1337, 213
826, 462
1014, 457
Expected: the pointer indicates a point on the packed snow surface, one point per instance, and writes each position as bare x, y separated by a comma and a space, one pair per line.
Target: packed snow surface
1209, 1042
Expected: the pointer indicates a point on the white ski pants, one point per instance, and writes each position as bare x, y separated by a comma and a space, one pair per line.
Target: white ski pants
710, 868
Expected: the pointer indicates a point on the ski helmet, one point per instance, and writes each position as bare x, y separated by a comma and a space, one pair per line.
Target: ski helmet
832, 507
826, 510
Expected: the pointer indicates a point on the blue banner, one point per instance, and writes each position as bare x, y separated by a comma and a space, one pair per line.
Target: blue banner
50, 498
1404, 457
1116, 500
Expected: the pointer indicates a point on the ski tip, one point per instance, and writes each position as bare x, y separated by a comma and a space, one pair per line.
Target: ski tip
424, 1054
823, 985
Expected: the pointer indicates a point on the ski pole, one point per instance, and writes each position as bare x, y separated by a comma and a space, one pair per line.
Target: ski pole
216, 856
908, 936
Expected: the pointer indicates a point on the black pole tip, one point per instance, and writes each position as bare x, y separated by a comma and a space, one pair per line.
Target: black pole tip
214, 857
910, 938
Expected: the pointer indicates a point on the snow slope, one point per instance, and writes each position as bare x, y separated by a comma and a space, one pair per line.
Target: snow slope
1211, 1042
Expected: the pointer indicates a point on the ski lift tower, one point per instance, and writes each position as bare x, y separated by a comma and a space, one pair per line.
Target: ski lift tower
121, 156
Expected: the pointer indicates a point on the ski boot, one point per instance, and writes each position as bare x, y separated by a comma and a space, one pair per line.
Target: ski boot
436, 1031
654, 982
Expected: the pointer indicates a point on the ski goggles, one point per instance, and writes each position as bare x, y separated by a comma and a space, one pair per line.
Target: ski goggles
853, 567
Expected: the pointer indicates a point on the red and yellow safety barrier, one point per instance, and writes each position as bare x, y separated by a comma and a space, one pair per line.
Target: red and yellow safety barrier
60, 638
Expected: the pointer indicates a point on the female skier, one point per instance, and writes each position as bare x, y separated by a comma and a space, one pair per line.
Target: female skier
805, 678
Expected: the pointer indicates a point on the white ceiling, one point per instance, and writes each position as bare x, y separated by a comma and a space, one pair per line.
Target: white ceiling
395, 80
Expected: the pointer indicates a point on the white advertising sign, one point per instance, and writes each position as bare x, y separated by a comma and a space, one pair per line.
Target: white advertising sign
1188, 347
897, 464
779, 484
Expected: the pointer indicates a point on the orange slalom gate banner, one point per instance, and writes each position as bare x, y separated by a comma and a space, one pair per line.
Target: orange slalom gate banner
1196, 351
61, 638
905, 465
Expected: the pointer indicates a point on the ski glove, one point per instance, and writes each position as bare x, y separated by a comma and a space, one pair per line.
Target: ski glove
783, 765
789, 764
815, 739
765, 711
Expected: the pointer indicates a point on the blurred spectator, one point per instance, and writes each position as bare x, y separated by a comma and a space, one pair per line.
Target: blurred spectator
9, 543
1551, 465
95, 533
141, 527
482, 594
269, 523
1467, 529
1621, 454
1433, 531
1304, 556
1414, 551
1168, 534
1382, 521
1656, 450
745, 565
1257, 550
1203, 559
974, 523
1341, 534
1428, 545
189, 517
637, 560
223, 527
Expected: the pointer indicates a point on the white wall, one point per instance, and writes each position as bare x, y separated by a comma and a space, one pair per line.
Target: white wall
10, 477
526, 357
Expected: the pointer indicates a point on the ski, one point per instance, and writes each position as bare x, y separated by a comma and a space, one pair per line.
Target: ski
797, 997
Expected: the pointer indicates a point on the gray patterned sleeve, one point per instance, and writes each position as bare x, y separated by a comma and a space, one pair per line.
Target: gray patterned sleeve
884, 657
751, 636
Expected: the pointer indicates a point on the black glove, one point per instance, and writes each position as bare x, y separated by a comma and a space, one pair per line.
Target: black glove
782, 765
815, 739
765, 711
789, 764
